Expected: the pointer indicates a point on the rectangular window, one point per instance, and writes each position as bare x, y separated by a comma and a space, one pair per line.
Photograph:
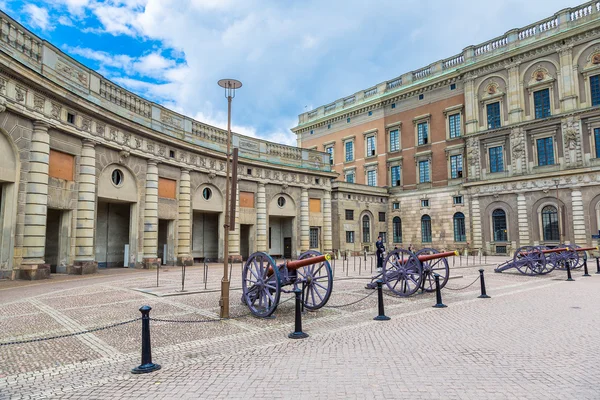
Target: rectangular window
454, 125
456, 166
396, 206
493, 115
349, 150
394, 140
425, 203
61, 165
372, 177
314, 238
496, 159
350, 177
597, 141
246, 199
541, 101
383, 236
423, 133
349, 215
370, 146
595, 89
168, 187
381, 217
314, 205
424, 171
395, 175
545, 151
330, 151
349, 236
426, 230
457, 200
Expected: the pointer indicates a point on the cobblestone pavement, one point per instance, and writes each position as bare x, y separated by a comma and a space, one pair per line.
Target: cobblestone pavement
536, 338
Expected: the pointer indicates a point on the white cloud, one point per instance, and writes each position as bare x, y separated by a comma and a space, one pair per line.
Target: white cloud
38, 17
64, 20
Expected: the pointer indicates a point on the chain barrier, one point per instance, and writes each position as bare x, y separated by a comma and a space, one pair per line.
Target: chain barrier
462, 288
352, 303
71, 334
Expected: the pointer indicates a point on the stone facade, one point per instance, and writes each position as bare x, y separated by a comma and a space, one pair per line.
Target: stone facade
520, 112
93, 175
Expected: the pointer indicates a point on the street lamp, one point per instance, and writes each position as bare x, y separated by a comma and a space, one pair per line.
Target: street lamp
230, 85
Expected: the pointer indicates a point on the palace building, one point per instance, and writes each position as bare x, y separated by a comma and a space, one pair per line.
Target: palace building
93, 175
488, 150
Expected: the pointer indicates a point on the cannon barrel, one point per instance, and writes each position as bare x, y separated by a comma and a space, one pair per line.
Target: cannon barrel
428, 257
308, 261
558, 250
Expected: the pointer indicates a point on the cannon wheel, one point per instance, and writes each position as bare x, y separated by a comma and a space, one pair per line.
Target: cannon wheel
402, 272
551, 261
319, 281
583, 256
569, 256
438, 266
530, 260
261, 288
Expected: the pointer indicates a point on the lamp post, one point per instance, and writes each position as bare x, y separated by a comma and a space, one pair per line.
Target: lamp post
230, 85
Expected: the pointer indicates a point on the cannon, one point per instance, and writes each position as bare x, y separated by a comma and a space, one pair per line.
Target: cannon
405, 272
263, 281
540, 260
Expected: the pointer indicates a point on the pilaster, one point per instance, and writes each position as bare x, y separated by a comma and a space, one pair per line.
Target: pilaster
523, 220
184, 255
327, 228
578, 217
470, 106
304, 221
515, 111
151, 259
566, 80
476, 220
234, 236
261, 219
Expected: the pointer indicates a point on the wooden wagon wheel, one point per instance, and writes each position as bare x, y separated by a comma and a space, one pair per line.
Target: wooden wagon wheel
530, 260
319, 281
438, 266
568, 256
402, 272
261, 285
582, 255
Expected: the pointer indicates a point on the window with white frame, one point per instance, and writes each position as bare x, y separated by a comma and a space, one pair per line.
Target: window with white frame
424, 171
457, 200
456, 166
394, 140
424, 203
454, 126
395, 205
422, 133
371, 150
350, 177
349, 236
372, 177
395, 175
349, 150
329, 149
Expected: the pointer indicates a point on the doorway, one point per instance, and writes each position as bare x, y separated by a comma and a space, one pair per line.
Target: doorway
113, 225
205, 236
246, 240
166, 241
280, 233
58, 233
287, 247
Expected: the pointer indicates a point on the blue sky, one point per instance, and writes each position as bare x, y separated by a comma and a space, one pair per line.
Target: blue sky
291, 56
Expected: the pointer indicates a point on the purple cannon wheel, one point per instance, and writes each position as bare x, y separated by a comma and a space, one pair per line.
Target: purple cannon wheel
319, 281
261, 285
530, 260
438, 266
402, 272
569, 257
583, 256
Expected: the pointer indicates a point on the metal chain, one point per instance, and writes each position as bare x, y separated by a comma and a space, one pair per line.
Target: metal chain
191, 321
463, 288
72, 334
354, 302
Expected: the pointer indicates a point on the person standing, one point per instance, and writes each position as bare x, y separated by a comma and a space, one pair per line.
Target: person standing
380, 250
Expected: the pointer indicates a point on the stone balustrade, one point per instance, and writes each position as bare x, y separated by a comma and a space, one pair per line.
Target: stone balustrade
19, 39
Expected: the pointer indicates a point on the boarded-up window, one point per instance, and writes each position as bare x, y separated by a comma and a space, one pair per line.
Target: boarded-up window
247, 199
61, 165
315, 205
167, 188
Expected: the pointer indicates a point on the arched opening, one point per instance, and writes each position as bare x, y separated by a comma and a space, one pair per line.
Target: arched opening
499, 231
281, 226
366, 229
550, 228
426, 236
460, 233
397, 229
207, 223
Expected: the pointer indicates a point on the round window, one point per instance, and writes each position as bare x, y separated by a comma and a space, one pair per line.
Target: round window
206, 193
281, 201
117, 177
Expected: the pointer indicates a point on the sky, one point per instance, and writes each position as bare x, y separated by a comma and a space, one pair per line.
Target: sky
291, 56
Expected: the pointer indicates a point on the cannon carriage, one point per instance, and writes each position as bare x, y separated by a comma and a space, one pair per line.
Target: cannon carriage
263, 281
405, 272
541, 260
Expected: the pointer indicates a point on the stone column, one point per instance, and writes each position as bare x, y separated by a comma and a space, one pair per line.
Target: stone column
261, 219
580, 236
304, 222
36, 205
234, 236
86, 208
566, 81
523, 220
476, 219
151, 259
327, 228
515, 111
184, 254
470, 106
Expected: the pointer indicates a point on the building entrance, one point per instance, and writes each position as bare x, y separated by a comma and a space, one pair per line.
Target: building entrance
58, 238
113, 247
280, 233
205, 236
166, 241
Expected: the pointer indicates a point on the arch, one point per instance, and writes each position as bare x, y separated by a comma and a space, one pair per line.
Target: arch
563, 219
127, 191
365, 222
499, 225
397, 230
460, 231
288, 209
213, 204
426, 236
550, 228
9, 162
595, 214
10, 167
577, 56
487, 78
523, 74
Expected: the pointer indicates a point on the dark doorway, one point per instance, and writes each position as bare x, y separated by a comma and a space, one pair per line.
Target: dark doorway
245, 239
112, 234
205, 235
52, 238
287, 247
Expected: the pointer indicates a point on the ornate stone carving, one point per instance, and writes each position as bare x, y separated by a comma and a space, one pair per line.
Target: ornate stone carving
20, 94
571, 134
72, 73
517, 144
137, 142
2, 86
473, 151
55, 110
114, 134
100, 128
38, 103
150, 147
170, 119
572, 143
123, 155
211, 175
2, 105
86, 124
162, 150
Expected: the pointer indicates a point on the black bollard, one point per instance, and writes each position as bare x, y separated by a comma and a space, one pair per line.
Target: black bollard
183, 277
298, 334
157, 271
597, 265
438, 293
147, 365
585, 269
304, 297
381, 316
483, 293
569, 277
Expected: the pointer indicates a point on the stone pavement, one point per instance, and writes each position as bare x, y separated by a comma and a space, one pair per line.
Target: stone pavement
535, 338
